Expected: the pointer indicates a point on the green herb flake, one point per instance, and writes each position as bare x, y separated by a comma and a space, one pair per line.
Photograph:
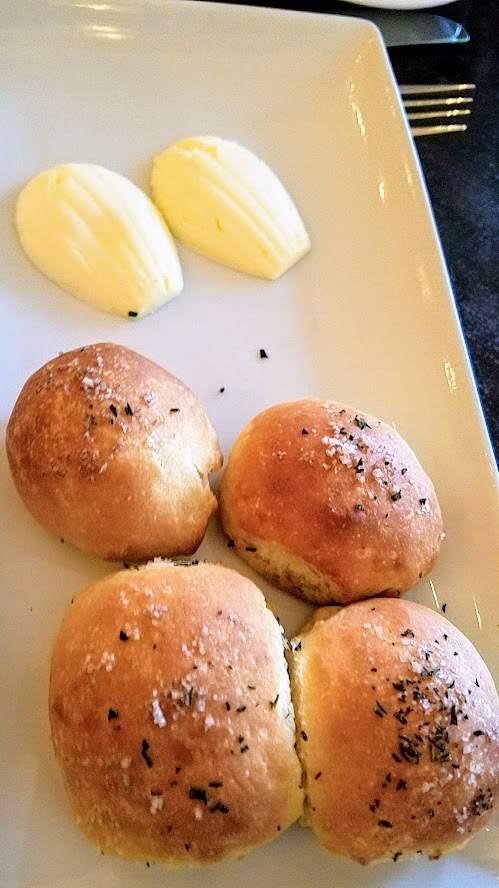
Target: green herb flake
220, 806
361, 422
428, 673
408, 750
483, 801
380, 710
199, 794
145, 755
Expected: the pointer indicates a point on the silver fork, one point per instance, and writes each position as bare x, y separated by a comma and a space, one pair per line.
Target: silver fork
437, 102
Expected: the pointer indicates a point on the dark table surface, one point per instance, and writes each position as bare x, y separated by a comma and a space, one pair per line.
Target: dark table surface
462, 176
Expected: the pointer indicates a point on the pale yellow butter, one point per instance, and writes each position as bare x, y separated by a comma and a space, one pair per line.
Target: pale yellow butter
224, 202
98, 236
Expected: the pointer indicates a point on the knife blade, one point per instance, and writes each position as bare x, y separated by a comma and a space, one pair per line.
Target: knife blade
401, 28
398, 27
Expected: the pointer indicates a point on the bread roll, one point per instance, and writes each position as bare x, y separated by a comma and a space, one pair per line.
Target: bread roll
329, 503
112, 453
171, 715
398, 728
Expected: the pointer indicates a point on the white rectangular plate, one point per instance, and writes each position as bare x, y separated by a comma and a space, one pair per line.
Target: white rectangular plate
367, 317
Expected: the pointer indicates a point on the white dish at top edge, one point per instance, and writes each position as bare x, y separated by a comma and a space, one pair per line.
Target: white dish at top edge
401, 4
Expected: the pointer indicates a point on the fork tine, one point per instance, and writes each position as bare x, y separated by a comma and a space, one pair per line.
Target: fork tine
423, 103
415, 89
440, 107
428, 115
438, 130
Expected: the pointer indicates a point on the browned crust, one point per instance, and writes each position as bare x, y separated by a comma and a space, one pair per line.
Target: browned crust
171, 716
112, 453
398, 726
334, 501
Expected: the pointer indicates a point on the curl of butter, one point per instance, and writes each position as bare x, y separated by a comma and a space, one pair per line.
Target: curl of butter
99, 237
222, 201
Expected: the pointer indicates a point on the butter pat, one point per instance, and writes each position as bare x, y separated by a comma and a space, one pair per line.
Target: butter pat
99, 237
222, 201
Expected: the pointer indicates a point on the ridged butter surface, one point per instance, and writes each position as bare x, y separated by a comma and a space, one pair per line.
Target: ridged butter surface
224, 202
98, 236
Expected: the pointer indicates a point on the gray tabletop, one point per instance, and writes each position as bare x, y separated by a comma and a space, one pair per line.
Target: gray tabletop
462, 176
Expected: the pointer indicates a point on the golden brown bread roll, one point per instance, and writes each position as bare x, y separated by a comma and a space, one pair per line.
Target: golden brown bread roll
112, 453
171, 715
398, 728
329, 503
